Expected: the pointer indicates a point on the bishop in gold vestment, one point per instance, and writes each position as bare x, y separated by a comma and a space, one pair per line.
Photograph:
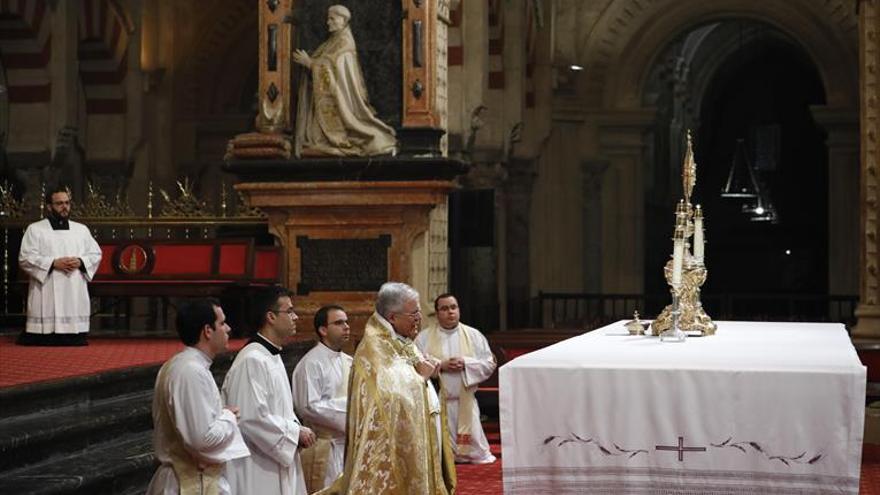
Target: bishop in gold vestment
392, 444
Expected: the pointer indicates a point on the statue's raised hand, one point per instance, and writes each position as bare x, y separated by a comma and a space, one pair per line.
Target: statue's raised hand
302, 58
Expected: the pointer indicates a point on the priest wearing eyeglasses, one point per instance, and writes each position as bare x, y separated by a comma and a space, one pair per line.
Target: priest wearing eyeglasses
320, 396
257, 383
395, 442
60, 257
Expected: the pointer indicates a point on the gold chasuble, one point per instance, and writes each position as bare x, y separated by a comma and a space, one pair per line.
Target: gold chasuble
391, 444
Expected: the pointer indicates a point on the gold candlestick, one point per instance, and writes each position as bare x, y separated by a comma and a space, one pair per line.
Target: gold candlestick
686, 273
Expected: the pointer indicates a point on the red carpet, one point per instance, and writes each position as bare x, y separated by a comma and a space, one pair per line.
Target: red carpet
22, 364
870, 482
482, 479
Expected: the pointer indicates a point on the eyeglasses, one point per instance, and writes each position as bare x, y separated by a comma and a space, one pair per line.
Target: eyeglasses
289, 312
415, 313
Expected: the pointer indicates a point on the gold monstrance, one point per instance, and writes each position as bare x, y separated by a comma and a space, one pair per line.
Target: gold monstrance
686, 272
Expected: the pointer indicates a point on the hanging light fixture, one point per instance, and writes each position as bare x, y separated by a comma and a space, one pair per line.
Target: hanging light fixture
769, 214
762, 210
741, 181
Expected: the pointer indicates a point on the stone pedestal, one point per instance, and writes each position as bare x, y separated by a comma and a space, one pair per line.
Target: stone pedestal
349, 225
344, 238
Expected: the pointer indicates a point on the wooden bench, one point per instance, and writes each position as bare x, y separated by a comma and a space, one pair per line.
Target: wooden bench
223, 268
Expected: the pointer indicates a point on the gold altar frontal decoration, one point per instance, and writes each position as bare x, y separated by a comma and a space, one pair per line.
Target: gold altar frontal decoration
686, 272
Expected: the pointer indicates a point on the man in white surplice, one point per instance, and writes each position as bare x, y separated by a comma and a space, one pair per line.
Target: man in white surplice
257, 382
320, 395
465, 362
61, 257
194, 436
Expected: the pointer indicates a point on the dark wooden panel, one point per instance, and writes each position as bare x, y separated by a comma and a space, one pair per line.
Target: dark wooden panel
342, 265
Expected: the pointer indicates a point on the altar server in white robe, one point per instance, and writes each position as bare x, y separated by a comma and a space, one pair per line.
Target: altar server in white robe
320, 395
465, 362
257, 382
194, 435
60, 257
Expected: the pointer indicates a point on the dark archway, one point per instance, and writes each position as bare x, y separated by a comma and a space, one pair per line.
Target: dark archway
762, 91
730, 80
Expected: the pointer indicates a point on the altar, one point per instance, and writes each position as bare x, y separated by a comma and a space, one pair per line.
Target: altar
758, 408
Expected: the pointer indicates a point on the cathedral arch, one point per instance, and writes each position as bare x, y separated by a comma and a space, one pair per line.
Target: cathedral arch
613, 95
634, 32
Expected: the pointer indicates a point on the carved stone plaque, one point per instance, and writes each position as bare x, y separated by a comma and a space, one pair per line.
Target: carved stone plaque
342, 265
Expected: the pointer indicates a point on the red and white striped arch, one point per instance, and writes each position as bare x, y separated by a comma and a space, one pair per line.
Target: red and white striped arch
25, 49
104, 33
455, 43
496, 44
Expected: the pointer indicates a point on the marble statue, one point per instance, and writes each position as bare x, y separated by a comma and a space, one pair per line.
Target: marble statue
334, 116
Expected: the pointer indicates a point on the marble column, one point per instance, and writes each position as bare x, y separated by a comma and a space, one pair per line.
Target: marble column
480, 271
593, 174
868, 310
158, 122
63, 67
517, 192
622, 144
842, 127
64, 99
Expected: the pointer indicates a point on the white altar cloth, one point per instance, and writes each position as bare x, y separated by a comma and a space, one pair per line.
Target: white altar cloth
759, 408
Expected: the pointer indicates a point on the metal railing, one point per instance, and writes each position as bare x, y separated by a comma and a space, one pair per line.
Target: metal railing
591, 310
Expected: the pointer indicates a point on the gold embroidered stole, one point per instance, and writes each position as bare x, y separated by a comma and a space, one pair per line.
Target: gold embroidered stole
447, 455
316, 458
192, 478
466, 397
